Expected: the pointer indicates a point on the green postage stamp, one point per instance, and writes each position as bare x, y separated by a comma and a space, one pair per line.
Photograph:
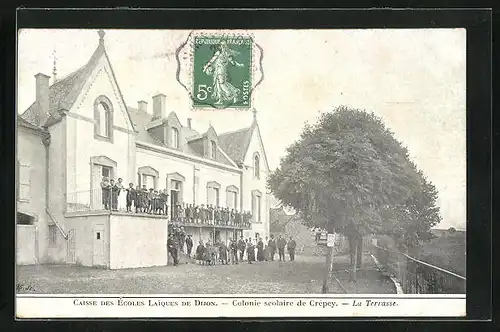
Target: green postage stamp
222, 71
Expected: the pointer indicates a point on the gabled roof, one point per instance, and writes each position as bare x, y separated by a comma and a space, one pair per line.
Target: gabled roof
193, 147
64, 92
236, 143
23, 123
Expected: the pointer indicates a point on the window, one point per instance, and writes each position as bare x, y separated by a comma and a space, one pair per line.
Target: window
216, 192
103, 111
24, 182
214, 149
213, 193
148, 181
232, 197
256, 206
106, 171
256, 166
24, 219
177, 185
103, 118
175, 138
52, 235
148, 177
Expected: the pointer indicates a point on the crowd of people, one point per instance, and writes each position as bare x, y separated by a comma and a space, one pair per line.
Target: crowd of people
116, 197
232, 252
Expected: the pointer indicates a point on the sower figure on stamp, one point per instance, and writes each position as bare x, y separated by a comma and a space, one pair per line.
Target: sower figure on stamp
281, 247
172, 248
291, 245
223, 91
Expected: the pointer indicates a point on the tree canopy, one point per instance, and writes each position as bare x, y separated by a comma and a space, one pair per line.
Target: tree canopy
348, 172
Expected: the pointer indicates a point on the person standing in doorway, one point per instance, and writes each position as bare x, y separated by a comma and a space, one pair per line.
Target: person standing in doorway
281, 247
172, 248
106, 193
291, 245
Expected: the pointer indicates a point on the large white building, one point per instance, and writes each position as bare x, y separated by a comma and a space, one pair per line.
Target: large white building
79, 129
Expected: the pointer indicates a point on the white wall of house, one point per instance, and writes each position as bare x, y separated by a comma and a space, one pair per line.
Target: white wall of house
26, 244
250, 183
31, 199
81, 142
165, 164
137, 241
85, 249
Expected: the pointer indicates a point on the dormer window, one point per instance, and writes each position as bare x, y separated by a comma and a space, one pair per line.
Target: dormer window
213, 146
103, 117
175, 138
256, 166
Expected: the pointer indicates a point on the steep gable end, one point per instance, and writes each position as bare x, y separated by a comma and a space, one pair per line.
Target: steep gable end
64, 93
235, 144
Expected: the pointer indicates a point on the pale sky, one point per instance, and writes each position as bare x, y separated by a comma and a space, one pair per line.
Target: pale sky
413, 79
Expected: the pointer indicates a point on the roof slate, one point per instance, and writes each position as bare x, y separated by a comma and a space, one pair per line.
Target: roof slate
193, 147
235, 144
63, 93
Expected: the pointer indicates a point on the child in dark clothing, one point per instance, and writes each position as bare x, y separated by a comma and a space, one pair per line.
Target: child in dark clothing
131, 197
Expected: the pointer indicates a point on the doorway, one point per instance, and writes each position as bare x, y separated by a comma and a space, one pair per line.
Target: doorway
174, 199
98, 246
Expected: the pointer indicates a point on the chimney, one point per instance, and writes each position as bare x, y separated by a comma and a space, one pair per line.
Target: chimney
142, 106
189, 122
159, 106
42, 97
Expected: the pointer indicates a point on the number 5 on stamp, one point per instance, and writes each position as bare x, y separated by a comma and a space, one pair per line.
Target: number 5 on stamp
222, 72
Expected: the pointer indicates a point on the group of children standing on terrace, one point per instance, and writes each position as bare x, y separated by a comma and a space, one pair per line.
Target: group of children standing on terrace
116, 197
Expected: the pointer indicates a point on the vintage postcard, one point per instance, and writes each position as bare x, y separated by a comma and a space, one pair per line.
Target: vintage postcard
241, 173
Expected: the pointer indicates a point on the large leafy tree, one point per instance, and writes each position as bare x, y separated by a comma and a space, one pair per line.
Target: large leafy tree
348, 173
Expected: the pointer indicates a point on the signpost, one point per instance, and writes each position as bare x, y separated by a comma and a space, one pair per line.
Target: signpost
330, 241
323, 239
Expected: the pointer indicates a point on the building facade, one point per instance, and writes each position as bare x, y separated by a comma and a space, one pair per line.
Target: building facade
84, 131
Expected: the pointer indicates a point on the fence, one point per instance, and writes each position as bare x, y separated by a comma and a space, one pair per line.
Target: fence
415, 276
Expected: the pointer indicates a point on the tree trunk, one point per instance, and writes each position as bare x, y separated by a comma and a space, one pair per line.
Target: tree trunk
355, 263
359, 246
352, 243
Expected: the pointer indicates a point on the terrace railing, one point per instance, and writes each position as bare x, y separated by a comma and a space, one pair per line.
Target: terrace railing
416, 276
96, 200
